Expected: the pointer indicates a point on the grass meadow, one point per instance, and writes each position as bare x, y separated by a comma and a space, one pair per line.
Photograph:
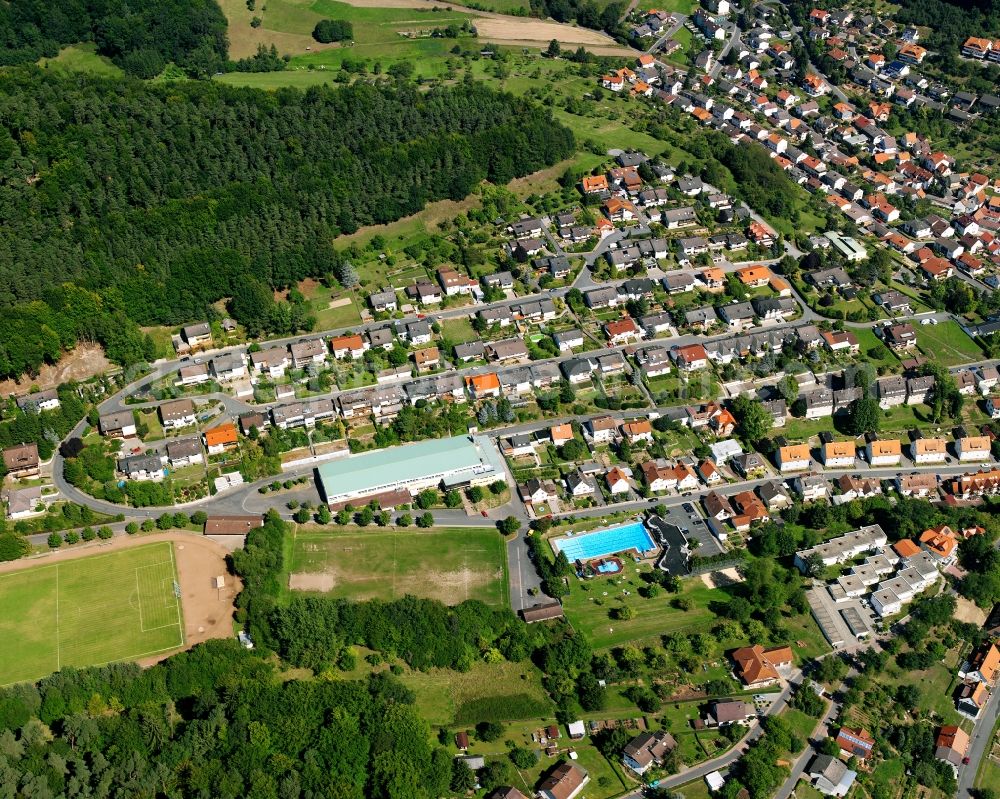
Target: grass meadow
89, 611
448, 564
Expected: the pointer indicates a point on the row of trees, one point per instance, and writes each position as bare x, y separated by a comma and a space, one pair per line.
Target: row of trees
127, 203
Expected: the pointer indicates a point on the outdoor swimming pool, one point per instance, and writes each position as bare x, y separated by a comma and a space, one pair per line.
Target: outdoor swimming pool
605, 542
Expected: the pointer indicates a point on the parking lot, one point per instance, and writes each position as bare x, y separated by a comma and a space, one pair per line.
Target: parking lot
683, 525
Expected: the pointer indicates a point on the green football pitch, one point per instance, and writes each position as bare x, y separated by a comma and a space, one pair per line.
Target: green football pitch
89, 611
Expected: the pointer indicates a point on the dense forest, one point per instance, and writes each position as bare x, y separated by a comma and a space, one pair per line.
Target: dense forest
141, 38
215, 722
130, 203
952, 21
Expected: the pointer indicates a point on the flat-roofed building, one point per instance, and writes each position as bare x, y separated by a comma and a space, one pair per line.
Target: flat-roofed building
451, 462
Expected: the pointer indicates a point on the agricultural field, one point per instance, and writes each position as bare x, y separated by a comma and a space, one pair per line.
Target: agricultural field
89, 611
448, 564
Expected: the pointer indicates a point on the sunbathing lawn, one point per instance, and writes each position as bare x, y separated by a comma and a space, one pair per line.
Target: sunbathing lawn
588, 604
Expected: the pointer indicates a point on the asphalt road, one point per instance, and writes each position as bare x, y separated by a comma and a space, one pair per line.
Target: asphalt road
725, 760
979, 745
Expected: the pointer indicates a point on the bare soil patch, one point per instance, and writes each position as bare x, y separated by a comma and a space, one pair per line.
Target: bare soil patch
969, 612
307, 581
515, 29
721, 578
84, 362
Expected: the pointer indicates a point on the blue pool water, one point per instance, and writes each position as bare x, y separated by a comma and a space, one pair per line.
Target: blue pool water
605, 542
608, 567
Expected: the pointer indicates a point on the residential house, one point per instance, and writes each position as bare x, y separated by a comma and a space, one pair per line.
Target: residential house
21, 460
307, 352
647, 750
884, 452
723, 712
830, 776
229, 366
924, 451
973, 448
177, 413
601, 429
39, 401
142, 467
951, 745
855, 742
383, 301
271, 362
617, 480
199, 335
184, 452
220, 438
483, 386
349, 346
567, 340
793, 458
565, 781
690, 358
120, 424
839, 454
638, 430
757, 667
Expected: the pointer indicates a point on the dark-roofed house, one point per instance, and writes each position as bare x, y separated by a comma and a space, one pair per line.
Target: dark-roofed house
184, 452
565, 781
21, 460
177, 413
120, 424
39, 401
647, 750
723, 712
197, 335
141, 467
831, 776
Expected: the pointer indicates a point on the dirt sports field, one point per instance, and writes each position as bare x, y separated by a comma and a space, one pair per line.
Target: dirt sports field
207, 612
450, 564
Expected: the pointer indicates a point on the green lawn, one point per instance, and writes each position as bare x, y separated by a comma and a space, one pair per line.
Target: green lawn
448, 564
89, 611
458, 330
81, 58
491, 691
947, 343
868, 340
588, 604
334, 309
802, 724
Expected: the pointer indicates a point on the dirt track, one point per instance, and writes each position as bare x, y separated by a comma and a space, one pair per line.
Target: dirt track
208, 612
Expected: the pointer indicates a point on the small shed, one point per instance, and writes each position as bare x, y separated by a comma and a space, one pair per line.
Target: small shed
576, 730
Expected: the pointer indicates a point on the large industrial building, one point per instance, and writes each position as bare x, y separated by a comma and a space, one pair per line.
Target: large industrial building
446, 462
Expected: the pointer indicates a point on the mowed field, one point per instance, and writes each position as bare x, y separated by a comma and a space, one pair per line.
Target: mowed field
449, 564
89, 611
